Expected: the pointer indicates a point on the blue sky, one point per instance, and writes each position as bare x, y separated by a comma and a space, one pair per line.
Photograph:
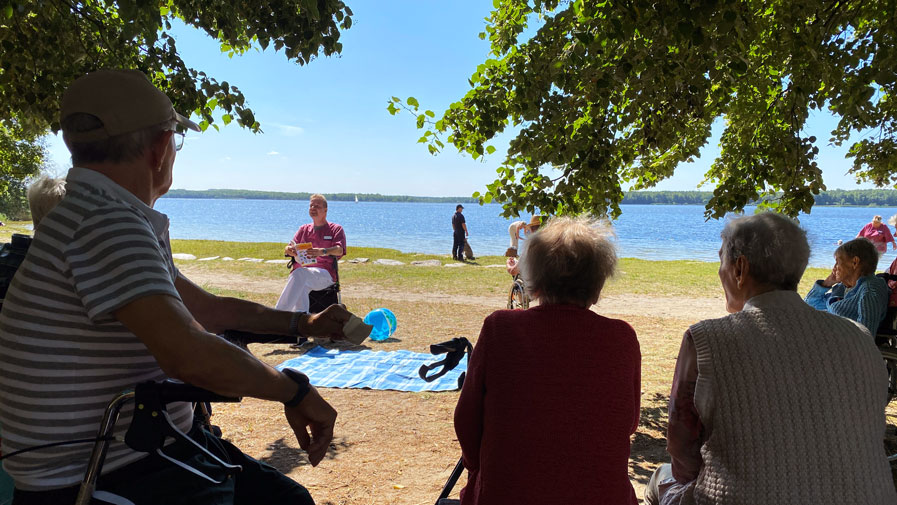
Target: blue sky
326, 125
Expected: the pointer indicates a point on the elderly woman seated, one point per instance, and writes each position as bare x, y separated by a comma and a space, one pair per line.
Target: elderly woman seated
777, 402
552, 393
852, 290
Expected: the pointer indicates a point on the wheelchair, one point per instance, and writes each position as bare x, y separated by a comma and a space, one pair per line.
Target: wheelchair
517, 297
147, 431
886, 340
889, 353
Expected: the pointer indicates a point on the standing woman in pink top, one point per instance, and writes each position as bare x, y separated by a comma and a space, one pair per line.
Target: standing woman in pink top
552, 393
879, 234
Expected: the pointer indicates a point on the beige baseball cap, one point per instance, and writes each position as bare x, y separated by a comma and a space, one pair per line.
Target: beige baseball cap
124, 100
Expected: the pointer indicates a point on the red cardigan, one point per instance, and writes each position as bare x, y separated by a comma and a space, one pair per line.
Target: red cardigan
548, 407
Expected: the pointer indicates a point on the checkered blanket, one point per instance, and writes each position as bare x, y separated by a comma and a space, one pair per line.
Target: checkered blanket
396, 370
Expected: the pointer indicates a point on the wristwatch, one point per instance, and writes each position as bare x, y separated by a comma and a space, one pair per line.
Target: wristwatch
294, 322
304, 386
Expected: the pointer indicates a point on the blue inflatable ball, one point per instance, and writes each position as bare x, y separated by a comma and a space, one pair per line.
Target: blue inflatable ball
384, 323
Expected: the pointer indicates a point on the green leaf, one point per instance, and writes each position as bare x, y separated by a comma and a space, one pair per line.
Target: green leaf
412, 102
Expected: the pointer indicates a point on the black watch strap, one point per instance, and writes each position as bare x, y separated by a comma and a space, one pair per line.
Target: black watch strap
294, 322
304, 387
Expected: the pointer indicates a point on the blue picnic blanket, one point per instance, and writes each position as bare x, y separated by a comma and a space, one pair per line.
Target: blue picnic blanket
396, 370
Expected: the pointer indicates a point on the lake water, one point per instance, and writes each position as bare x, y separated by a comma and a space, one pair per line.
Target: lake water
655, 232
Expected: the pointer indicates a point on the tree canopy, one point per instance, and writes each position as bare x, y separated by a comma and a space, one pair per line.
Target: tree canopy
609, 93
46, 44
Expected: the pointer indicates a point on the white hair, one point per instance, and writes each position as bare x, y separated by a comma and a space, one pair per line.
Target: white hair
43, 194
775, 247
569, 260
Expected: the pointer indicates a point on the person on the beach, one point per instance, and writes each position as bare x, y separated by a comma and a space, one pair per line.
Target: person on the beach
519, 230
459, 233
44, 194
314, 249
98, 306
852, 289
776, 402
512, 263
552, 393
879, 234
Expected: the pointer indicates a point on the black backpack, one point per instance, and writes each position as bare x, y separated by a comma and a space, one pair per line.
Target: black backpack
11, 256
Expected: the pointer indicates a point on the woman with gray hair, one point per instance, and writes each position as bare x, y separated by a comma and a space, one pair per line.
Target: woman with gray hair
552, 393
43, 195
852, 290
749, 423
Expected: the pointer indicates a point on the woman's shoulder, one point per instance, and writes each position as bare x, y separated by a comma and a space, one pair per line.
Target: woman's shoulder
618, 324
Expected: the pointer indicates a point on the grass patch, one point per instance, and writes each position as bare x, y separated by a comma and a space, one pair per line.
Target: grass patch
11, 227
634, 276
657, 278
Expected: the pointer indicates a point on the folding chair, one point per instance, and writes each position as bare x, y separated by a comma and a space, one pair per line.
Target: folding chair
323, 298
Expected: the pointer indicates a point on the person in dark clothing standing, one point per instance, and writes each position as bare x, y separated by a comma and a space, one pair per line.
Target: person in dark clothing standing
460, 231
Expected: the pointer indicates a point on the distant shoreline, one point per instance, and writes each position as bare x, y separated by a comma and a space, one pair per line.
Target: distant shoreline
834, 198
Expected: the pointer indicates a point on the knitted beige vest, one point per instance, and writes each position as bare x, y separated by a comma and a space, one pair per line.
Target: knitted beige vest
793, 403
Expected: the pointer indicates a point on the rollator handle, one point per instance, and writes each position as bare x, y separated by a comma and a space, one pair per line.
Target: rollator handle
243, 338
170, 391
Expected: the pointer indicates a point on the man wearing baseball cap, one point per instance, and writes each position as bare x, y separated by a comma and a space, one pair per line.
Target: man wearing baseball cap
98, 306
459, 233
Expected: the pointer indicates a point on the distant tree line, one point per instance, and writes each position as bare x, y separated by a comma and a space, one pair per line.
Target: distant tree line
245, 194
836, 197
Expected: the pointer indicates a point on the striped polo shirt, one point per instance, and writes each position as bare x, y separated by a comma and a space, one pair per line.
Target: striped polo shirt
63, 355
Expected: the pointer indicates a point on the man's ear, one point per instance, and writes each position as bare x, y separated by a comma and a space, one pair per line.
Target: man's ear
159, 148
742, 268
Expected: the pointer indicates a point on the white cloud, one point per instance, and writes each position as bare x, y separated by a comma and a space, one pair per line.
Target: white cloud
273, 153
288, 130
226, 158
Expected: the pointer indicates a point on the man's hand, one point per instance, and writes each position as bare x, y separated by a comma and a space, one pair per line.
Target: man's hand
312, 421
289, 250
328, 323
314, 252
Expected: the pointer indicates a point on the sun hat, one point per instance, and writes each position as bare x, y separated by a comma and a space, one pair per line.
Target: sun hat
535, 221
124, 101
459, 206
